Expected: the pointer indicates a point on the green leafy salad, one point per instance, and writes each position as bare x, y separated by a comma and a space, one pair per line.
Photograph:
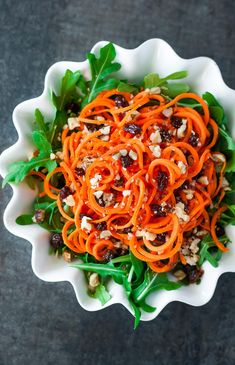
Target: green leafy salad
134, 180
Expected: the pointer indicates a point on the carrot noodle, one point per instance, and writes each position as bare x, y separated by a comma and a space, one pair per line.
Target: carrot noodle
128, 175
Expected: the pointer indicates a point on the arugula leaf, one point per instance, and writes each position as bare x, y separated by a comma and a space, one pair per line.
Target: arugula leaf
24, 219
101, 68
127, 88
154, 80
137, 313
102, 294
138, 266
228, 217
152, 282
68, 85
40, 120
151, 80
19, 169
172, 90
206, 246
101, 269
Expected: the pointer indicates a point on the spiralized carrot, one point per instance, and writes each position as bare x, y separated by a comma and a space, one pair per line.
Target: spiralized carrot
145, 182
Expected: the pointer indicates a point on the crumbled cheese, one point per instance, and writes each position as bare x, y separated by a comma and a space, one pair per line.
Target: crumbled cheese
52, 156
34, 219
189, 195
65, 126
69, 201
133, 155
116, 156
116, 205
94, 181
225, 184
118, 177
73, 123
194, 245
126, 192
104, 138
182, 129
155, 137
129, 236
99, 118
139, 233
67, 256
203, 232
123, 152
72, 187
182, 167
156, 150
153, 90
98, 194
189, 250
105, 234
85, 224
203, 180
108, 198
180, 212
105, 130
150, 236
167, 112
87, 161
218, 157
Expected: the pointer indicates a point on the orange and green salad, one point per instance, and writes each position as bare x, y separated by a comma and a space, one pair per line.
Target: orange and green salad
134, 180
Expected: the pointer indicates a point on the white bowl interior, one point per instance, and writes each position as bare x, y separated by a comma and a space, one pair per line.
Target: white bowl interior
154, 55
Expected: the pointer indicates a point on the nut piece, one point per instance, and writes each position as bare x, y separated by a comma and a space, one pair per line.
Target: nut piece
180, 274
94, 280
67, 256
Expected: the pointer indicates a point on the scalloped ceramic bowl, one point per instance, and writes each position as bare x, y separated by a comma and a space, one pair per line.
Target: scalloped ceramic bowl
154, 55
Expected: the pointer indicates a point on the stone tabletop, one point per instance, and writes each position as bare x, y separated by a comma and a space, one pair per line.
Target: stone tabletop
42, 323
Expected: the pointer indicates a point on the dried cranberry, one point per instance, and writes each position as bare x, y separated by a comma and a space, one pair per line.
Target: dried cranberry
219, 230
161, 237
176, 122
165, 135
186, 207
39, 215
185, 185
194, 273
92, 127
65, 192
193, 139
157, 210
127, 230
121, 251
56, 240
101, 226
72, 108
100, 201
120, 101
132, 128
126, 161
80, 171
162, 180
119, 182
108, 255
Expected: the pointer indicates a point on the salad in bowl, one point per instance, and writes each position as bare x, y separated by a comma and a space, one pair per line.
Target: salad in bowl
130, 183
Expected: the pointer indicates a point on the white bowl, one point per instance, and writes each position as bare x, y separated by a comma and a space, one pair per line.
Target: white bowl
154, 55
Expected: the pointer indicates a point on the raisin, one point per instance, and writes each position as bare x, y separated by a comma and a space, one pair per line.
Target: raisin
219, 230
72, 108
121, 251
157, 210
108, 255
39, 215
165, 135
162, 180
193, 139
127, 229
79, 171
132, 128
194, 273
161, 237
56, 240
100, 201
65, 192
101, 226
126, 161
119, 182
176, 122
185, 185
120, 101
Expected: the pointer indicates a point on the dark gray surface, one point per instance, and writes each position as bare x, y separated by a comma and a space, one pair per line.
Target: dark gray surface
42, 323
